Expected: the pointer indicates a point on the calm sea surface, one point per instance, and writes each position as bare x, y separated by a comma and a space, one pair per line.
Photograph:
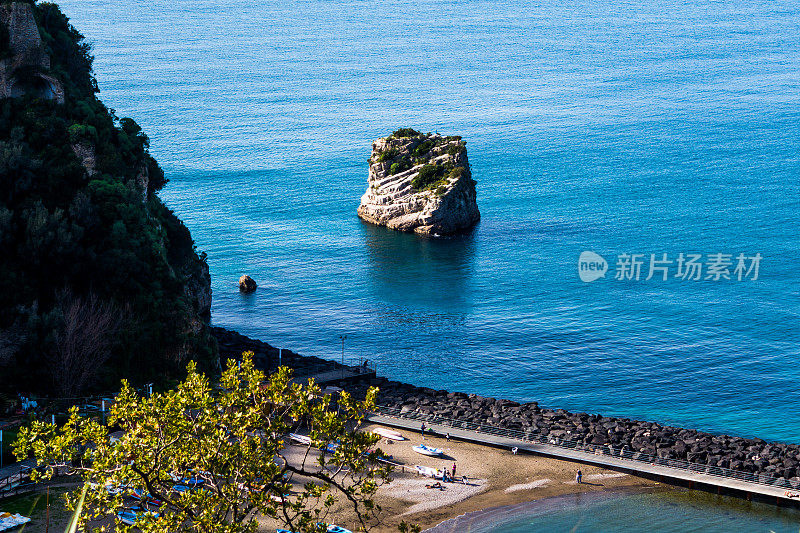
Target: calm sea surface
664, 512
617, 127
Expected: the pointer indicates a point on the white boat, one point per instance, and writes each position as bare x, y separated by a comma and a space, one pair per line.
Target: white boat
426, 450
11, 521
337, 529
302, 439
428, 471
388, 433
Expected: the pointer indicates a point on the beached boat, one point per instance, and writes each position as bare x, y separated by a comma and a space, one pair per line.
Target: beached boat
302, 439
129, 517
337, 529
142, 496
11, 521
428, 471
388, 433
427, 450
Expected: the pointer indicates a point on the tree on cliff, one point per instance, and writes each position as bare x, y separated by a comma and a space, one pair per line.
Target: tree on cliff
84, 340
216, 461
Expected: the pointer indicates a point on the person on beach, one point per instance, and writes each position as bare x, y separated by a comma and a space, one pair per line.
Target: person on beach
454, 470
447, 436
578, 477
422, 430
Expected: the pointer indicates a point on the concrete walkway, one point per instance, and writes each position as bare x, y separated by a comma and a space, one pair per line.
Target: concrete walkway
667, 474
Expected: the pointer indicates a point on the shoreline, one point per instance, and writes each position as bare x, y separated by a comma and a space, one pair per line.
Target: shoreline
496, 478
483, 519
500, 479
755, 460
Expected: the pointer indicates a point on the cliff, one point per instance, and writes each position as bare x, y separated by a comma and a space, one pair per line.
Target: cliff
99, 280
24, 64
420, 183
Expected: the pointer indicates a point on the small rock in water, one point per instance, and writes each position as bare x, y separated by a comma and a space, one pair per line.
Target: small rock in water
247, 284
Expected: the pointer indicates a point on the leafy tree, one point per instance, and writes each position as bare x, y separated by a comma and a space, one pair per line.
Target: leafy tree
216, 461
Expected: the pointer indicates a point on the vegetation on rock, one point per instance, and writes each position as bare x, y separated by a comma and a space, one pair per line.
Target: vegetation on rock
406, 132
82, 229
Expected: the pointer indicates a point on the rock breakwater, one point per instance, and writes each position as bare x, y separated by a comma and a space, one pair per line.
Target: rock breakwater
766, 461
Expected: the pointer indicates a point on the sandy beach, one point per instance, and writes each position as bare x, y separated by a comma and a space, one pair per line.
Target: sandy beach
495, 477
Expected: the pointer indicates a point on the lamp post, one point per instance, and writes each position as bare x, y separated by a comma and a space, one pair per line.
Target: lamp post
342, 338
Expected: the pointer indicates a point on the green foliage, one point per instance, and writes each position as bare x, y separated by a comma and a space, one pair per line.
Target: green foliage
428, 176
400, 166
62, 227
456, 173
235, 442
406, 132
424, 147
435, 178
388, 154
455, 149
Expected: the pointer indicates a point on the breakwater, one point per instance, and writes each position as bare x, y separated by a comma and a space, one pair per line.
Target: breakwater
765, 461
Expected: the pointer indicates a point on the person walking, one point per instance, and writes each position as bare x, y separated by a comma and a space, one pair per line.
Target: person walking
454, 470
447, 436
578, 476
422, 430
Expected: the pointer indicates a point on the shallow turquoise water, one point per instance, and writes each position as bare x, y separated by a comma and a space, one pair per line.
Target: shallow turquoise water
608, 126
678, 512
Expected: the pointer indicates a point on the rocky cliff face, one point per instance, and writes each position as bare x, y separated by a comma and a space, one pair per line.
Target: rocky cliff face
24, 65
420, 183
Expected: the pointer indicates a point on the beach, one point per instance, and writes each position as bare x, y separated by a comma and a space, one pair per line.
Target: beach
495, 478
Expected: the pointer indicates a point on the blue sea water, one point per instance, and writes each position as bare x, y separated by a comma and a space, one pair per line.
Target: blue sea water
665, 512
611, 126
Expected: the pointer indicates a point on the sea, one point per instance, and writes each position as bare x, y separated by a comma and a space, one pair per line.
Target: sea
638, 176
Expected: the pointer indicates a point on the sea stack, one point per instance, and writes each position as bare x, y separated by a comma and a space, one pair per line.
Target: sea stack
420, 183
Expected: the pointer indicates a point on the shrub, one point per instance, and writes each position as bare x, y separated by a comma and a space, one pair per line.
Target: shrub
386, 155
400, 166
455, 149
406, 132
456, 173
424, 147
429, 175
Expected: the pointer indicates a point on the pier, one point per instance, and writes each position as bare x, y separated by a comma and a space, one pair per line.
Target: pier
671, 471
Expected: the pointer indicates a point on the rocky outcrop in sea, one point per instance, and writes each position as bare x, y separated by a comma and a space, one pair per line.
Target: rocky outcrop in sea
420, 183
607, 435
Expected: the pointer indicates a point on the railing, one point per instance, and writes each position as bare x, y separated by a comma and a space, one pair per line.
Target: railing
16, 482
532, 436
